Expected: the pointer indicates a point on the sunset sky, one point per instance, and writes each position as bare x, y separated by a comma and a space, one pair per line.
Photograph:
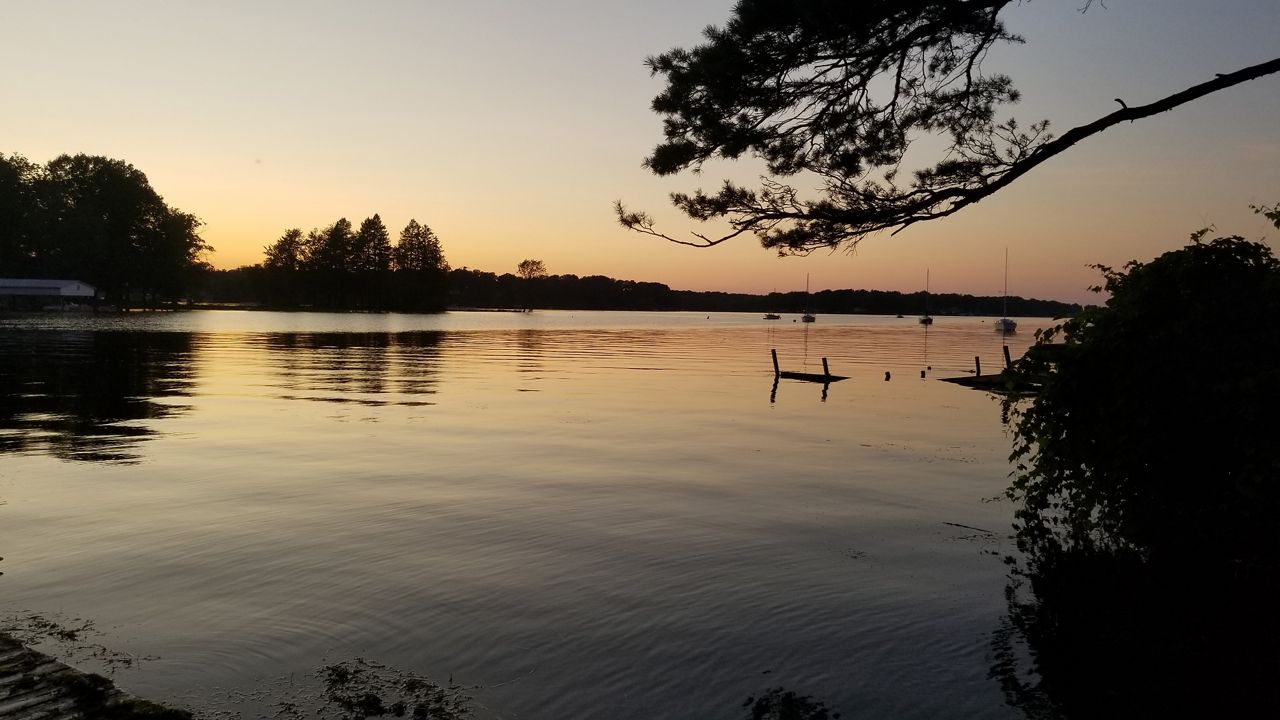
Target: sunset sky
509, 127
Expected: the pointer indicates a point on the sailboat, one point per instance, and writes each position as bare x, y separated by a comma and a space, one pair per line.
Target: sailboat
1006, 326
926, 319
806, 317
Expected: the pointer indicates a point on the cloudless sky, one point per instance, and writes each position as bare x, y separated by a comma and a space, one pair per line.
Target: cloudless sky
509, 127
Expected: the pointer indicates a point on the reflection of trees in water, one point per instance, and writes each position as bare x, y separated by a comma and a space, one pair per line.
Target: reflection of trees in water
75, 394
530, 345
782, 704
339, 367
1095, 634
84, 395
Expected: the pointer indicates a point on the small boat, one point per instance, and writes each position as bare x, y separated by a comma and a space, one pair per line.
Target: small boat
926, 319
1006, 326
772, 316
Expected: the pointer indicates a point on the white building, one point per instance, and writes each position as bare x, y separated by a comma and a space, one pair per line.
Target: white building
46, 288
62, 290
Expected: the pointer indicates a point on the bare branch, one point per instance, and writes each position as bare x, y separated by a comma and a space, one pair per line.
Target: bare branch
642, 222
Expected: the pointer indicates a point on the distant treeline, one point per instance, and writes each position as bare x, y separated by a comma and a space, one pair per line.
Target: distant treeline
466, 288
98, 220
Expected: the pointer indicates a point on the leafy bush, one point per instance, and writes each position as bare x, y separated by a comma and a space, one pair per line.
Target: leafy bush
1152, 433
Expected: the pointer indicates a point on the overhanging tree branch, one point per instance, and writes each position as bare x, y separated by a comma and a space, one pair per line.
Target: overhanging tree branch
799, 86
958, 198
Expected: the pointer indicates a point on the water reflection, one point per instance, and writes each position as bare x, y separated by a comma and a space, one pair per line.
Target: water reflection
640, 537
924, 362
1096, 634
373, 369
95, 396
786, 704
82, 395
773, 389
531, 346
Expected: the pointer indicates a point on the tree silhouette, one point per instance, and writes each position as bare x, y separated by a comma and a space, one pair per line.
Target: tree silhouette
838, 92
338, 268
530, 269
332, 248
17, 205
98, 220
419, 249
287, 253
372, 246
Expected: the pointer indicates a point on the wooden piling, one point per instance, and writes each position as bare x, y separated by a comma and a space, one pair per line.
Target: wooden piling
776, 370
977, 364
825, 369
1007, 362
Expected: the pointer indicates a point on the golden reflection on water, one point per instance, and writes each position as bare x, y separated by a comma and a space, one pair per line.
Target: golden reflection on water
632, 515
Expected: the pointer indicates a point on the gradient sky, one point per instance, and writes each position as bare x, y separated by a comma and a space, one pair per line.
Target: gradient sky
509, 127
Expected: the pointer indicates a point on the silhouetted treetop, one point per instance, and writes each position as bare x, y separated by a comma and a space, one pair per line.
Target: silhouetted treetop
530, 269
838, 92
332, 248
419, 249
287, 253
373, 246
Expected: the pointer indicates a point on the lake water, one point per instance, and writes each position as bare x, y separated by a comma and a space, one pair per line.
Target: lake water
575, 515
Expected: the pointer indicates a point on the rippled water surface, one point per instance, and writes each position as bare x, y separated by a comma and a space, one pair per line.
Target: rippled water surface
604, 515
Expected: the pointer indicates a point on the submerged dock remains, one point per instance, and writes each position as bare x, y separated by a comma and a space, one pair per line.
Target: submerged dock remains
825, 377
1005, 382
34, 686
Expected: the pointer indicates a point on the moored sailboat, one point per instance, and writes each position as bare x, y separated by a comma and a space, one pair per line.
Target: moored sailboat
926, 319
1005, 325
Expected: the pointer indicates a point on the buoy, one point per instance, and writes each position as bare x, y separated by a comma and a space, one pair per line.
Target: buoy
886, 376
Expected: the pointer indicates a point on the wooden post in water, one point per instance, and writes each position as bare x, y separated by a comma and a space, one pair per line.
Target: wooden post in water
977, 364
825, 369
776, 371
1007, 362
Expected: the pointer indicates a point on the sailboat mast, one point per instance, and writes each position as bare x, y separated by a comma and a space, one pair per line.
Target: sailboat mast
806, 316
1004, 307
